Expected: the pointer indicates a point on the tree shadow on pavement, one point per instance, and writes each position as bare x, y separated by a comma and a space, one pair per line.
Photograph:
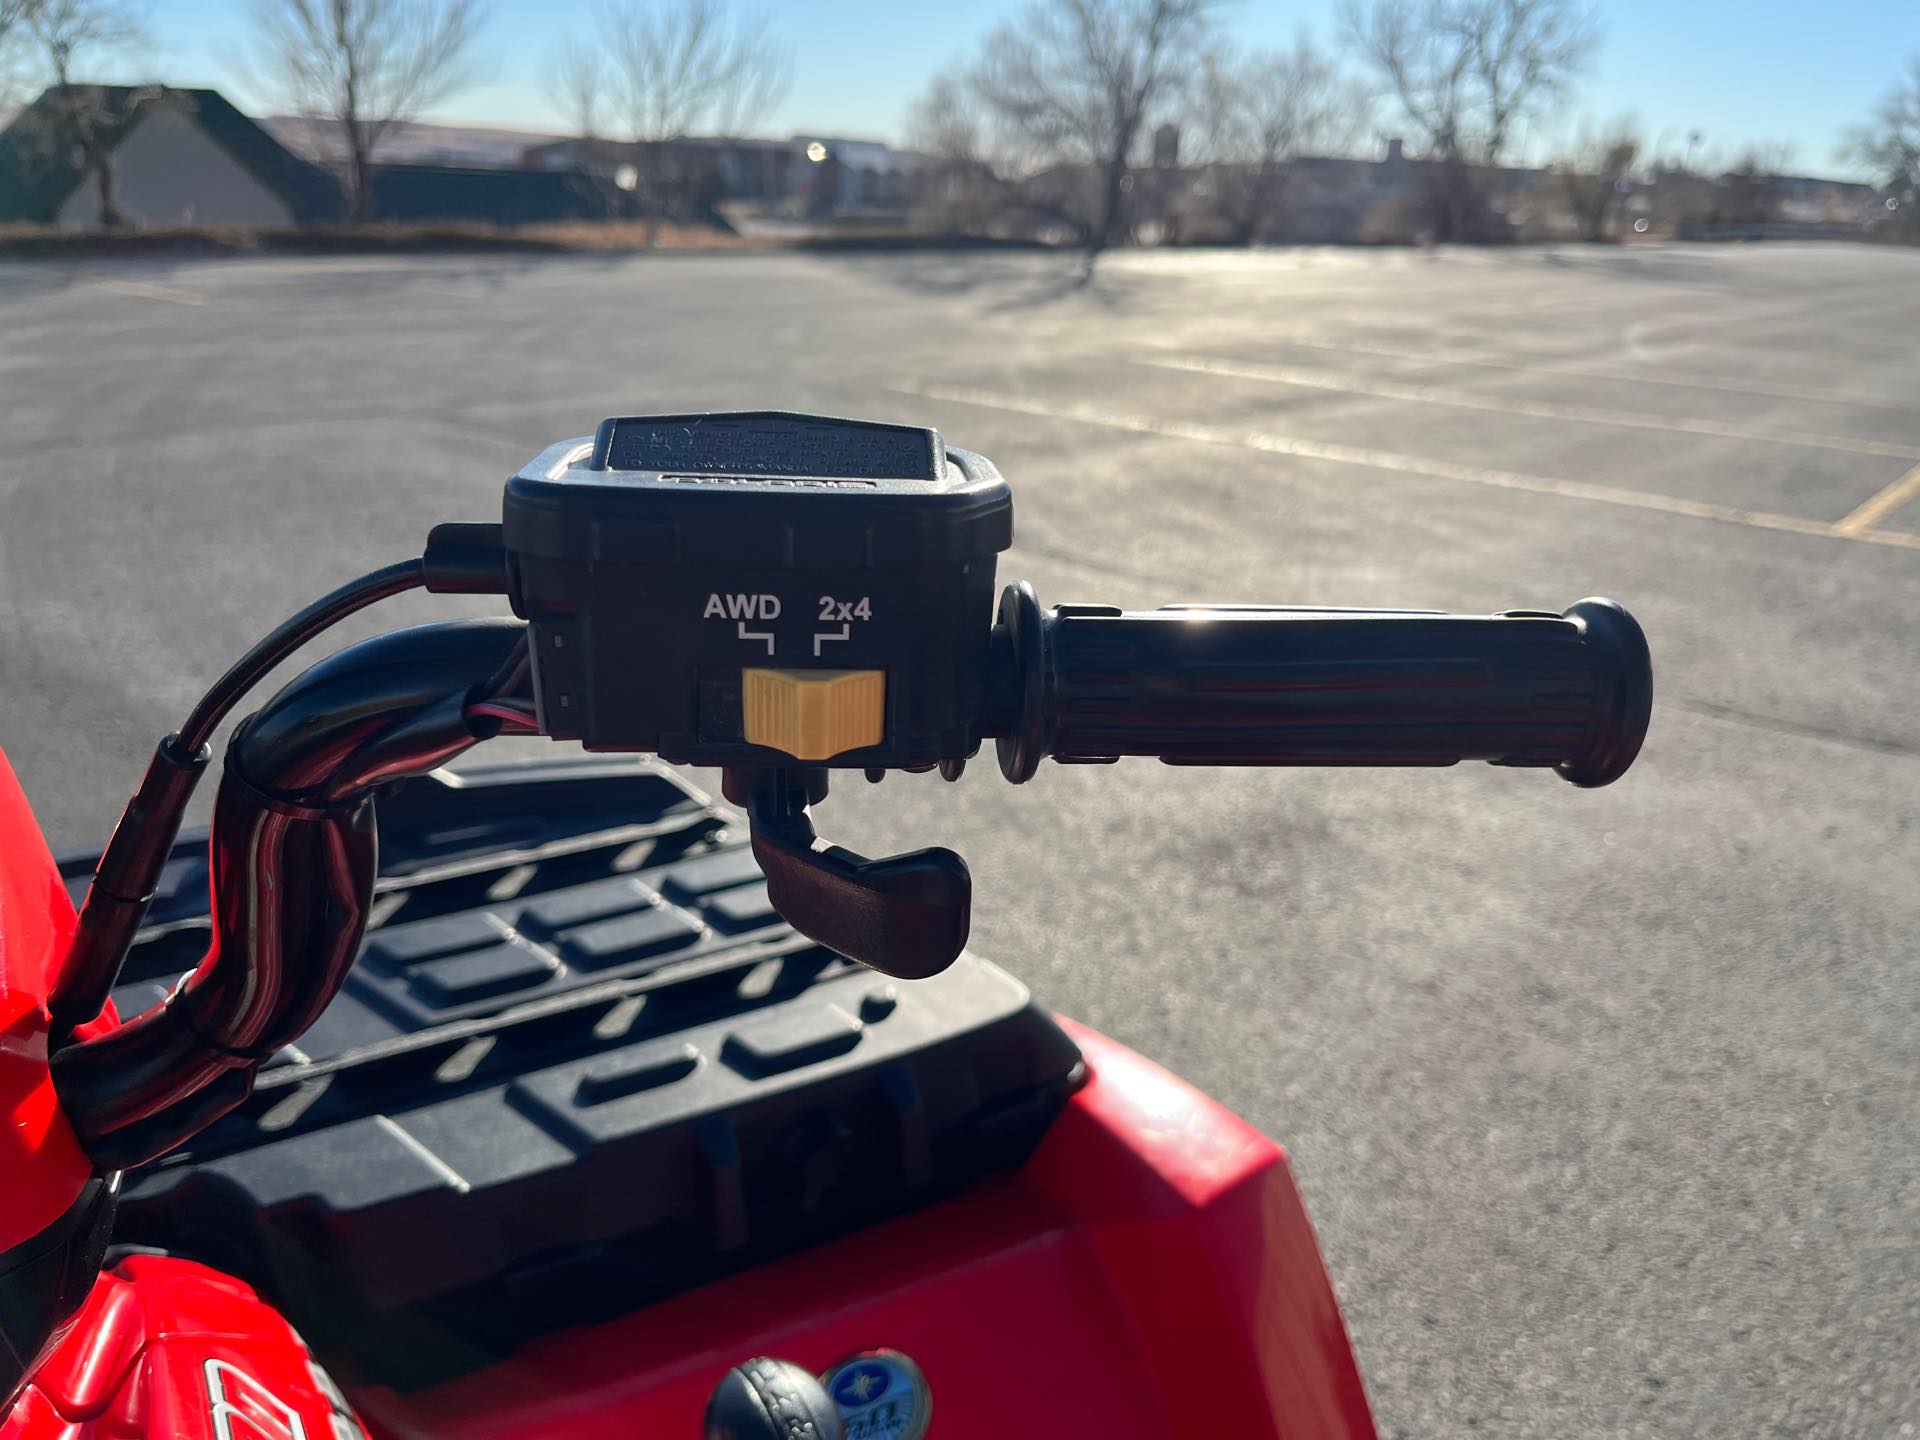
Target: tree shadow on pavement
1637, 263
1003, 282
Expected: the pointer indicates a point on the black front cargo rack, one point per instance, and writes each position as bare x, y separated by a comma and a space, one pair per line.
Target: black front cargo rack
580, 1065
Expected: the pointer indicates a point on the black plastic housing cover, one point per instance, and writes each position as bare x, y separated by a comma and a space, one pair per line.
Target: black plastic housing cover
662, 558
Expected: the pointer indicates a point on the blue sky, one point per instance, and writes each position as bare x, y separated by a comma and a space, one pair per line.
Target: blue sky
1760, 70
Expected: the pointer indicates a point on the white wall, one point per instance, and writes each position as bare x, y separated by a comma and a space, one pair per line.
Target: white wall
168, 171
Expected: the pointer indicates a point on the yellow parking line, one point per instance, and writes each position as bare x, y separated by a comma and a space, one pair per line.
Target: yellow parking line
1538, 409
1879, 507
1406, 464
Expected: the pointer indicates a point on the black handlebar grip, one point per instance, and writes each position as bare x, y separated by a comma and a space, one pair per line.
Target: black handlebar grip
1246, 685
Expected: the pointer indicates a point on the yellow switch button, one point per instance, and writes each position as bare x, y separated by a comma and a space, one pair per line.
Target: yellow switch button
814, 714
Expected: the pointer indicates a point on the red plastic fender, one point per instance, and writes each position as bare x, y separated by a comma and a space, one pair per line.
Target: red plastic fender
1189, 1204
41, 1164
1150, 1273
166, 1349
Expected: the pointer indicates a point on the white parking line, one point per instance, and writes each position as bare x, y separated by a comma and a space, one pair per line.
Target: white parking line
1537, 409
1545, 364
1406, 464
146, 290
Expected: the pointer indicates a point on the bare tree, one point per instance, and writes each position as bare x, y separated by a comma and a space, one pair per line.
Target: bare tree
366, 66
1255, 114
1079, 83
670, 68
963, 189
580, 85
1593, 176
978, 183
1466, 73
1889, 145
683, 65
71, 34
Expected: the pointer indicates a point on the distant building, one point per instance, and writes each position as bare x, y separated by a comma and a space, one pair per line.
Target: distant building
1166, 146
1313, 199
1808, 200
412, 142
176, 157
425, 194
1742, 204
686, 176
868, 177
187, 157
809, 174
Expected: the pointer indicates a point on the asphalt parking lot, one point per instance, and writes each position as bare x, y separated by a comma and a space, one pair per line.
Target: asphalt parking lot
1605, 1104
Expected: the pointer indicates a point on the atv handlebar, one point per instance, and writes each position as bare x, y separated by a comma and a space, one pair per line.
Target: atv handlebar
1258, 685
781, 596
1083, 683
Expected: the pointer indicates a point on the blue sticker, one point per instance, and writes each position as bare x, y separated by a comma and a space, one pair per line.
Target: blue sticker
861, 1383
881, 1395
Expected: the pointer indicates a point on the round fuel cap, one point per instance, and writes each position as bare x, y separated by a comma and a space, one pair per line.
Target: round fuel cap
881, 1395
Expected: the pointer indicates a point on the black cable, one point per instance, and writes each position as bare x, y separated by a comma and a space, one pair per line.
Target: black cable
289, 636
129, 869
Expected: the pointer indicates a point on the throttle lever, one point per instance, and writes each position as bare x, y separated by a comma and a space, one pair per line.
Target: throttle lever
906, 915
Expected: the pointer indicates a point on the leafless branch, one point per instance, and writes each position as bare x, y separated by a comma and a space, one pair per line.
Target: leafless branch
368, 65
17, 68
1253, 115
1079, 83
1888, 143
70, 36
1464, 74
13, 16
1273, 105
1466, 71
1592, 176
682, 65
74, 34
580, 85
975, 185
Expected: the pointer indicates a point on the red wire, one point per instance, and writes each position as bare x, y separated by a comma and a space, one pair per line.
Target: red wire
512, 715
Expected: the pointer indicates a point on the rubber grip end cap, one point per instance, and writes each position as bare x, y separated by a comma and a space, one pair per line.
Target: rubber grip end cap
1626, 702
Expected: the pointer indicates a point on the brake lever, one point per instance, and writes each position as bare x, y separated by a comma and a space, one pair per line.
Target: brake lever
905, 915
